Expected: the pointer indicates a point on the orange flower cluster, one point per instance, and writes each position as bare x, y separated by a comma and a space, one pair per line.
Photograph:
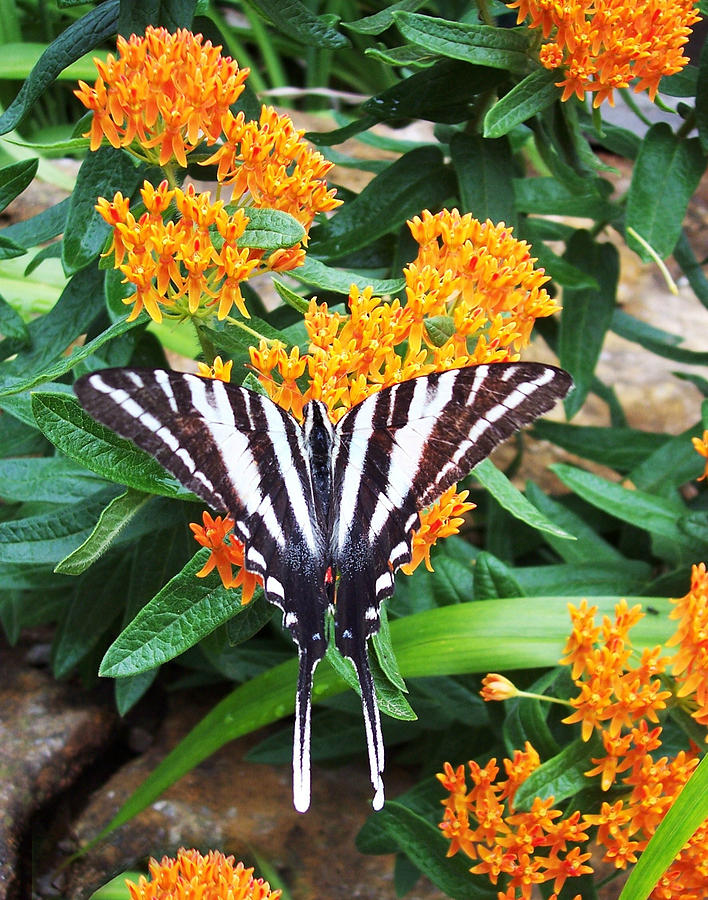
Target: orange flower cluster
522, 848
690, 665
164, 90
192, 876
700, 445
226, 552
472, 296
173, 91
619, 701
185, 266
605, 44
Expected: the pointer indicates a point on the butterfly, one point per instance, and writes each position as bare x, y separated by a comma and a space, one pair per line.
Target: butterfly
325, 512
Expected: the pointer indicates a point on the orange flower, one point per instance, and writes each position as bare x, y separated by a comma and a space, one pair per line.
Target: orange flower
700, 445
497, 687
219, 369
440, 520
225, 553
522, 848
163, 90
606, 44
690, 664
191, 876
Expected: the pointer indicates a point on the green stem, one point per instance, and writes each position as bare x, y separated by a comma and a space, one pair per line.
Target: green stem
543, 697
208, 348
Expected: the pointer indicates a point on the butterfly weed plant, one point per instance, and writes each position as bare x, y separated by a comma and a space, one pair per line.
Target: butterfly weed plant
458, 253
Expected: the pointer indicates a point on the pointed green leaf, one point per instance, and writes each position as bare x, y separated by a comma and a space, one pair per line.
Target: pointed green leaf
493, 578
418, 180
79, 437
52, 479
484, 171
339, 281
512, 500
270, 229
80, 37
48, 537
657, 216
111, 522
14, 179
482, 45
11, 324
655, 340
383, 19
530, 96
562, 776
178, 617
587, 313
295, 20
619, 448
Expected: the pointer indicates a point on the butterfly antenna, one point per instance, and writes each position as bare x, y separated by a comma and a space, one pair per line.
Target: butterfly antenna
301, 739
372, 722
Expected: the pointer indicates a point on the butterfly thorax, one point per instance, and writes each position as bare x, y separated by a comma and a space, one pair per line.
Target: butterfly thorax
319, 437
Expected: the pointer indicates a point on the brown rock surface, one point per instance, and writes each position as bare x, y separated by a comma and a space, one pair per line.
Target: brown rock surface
49, 733
241, 808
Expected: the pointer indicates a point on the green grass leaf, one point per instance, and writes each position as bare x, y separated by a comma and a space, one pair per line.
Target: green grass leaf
688, 812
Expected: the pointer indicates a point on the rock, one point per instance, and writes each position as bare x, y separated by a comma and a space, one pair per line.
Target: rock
50, 732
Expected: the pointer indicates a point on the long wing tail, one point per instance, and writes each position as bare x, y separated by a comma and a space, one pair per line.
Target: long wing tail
301, 737
372, 720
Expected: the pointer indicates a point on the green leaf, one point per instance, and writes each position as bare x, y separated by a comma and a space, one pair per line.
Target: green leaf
40, 228
67, 363
526, 718
486, 638
482, 45
270, 229
493, 578
589, 546
530, 96
702, 99
670, 466
254, 616
691, 268
587, 313
425, 845
14, 179
445, 93
688, 812
112, 521
418, 180
512, 500
655, 340
656, 515
49, 479
11, 324
71, 315
339, 281
294, 19
381, 642
658, 215
619, 448
96, 603
383, 19
48, 537
102, 174
79, 437
178, 617
484, 173
562, 776
628, 576
558, 267
80, 37
546, 196
136, 15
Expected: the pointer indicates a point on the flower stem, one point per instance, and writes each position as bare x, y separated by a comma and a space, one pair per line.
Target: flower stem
543, 697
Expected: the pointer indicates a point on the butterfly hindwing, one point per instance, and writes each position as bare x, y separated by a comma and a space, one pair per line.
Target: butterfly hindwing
244, 456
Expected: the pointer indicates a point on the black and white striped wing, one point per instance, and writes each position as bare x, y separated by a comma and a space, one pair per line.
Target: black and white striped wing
395, 454
243, 455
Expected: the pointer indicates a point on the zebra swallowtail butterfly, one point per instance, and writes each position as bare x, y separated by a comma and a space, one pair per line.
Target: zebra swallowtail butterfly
315, 501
